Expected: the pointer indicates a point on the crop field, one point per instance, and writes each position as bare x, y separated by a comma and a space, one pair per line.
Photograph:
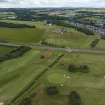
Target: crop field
24, 35
90, 86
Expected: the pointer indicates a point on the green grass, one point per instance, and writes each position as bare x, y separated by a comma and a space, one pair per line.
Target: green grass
90, 86
101, 44
5, 50
56, 78
72, 38
24, 35
16, 74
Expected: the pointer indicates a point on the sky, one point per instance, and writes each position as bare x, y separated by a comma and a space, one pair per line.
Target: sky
51, 3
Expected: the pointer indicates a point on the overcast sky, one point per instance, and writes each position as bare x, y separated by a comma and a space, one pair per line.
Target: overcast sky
51, 3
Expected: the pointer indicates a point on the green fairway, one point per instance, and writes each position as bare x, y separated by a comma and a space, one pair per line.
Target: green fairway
90, 86
25, 35
16, 74
56, 78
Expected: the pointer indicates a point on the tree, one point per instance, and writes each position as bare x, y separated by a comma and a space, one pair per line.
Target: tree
84, 68
72, 68
78, 68
74, 98
52, 90
26, 101
103, 37
94, 43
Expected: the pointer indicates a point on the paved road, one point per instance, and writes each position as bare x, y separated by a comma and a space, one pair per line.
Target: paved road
69, 50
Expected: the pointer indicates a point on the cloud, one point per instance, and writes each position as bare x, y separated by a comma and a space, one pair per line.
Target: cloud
51, 3
3, 0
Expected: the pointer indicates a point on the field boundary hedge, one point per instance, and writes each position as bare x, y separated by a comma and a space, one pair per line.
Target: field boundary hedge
19, 51
15, 25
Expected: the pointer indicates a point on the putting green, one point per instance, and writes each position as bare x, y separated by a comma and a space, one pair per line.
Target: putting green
56, 78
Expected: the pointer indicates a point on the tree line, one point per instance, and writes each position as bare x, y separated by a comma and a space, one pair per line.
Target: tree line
14, 25
81, 29
14, 53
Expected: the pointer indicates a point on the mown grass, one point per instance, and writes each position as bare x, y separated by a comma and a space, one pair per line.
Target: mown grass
90, 86
24, 35
16, 74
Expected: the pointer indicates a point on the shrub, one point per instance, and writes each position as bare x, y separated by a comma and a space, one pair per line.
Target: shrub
94, 43
103, 37
72, 68
78, 68
52, 90
15, 53
84, 68
26, 101
74, 98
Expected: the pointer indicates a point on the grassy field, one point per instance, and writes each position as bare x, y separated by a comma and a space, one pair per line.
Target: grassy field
90, 86
16, 74
5, 50
70, 38
101, 44
24, 35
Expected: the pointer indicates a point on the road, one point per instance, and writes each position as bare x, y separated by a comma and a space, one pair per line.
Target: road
69, 50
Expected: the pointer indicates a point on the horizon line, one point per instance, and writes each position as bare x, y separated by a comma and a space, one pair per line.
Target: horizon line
49, 7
